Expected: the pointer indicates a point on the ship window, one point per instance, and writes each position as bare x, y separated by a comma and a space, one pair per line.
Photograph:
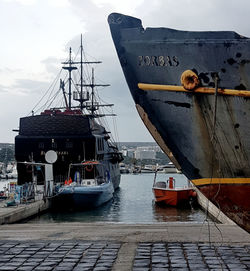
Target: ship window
41, 145
69, 145
54, 145
99, 144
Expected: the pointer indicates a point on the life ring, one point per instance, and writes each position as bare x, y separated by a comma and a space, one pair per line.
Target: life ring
89, 168
189, 80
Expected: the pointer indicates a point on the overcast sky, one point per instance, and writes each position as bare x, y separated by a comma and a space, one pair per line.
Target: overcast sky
36, 34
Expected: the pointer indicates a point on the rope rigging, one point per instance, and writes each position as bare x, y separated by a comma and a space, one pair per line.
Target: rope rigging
214, 142
82, 81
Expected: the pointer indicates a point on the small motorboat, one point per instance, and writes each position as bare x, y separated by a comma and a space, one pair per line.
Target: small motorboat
166, 193
89, 185
123, 168
148, 169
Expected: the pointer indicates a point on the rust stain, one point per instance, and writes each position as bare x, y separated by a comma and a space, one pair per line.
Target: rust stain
203, 120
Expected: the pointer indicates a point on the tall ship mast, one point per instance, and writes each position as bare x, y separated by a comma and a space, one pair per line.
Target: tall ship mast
74, 131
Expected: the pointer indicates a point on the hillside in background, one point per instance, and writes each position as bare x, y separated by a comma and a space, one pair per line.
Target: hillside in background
7, 152
137, 144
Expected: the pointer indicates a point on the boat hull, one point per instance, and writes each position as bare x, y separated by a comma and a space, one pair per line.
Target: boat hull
231, 196
204, 130
82, 198
173, 197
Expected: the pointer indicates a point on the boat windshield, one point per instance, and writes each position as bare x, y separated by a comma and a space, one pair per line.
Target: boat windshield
87, 171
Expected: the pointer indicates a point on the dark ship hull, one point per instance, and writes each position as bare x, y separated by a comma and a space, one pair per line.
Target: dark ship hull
73, 136
191, 90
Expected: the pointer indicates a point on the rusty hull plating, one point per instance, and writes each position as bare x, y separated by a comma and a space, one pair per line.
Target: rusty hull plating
205, 134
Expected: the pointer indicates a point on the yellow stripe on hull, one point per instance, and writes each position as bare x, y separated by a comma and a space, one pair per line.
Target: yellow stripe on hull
204, 90
208, 181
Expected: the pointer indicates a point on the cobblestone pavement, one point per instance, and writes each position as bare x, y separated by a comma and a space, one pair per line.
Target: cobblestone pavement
63, 256
190, 256
101, 256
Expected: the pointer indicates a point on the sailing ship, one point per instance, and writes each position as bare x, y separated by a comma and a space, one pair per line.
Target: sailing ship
192, 91
74, 132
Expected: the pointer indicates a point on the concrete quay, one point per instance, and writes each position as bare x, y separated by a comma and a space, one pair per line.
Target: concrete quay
120, 247
19, 212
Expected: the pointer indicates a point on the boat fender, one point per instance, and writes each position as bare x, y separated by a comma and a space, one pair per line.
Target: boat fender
89, 168
107, 175
77, 177
189, 80
192, 197
193, 194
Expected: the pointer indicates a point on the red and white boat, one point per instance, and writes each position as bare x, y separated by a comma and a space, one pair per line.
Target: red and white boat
165, 192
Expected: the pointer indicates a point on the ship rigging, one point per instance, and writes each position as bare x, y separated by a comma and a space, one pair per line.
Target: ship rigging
74, 128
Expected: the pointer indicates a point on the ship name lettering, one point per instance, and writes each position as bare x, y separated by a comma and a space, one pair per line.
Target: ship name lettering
161, 61
58, 152
62, 152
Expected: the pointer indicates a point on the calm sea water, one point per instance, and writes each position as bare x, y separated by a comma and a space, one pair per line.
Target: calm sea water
133, 203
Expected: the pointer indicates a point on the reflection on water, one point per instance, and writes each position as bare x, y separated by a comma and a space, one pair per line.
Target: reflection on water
172, 214
133, 202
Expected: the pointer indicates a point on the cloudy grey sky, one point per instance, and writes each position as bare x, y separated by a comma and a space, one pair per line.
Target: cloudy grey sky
35, 36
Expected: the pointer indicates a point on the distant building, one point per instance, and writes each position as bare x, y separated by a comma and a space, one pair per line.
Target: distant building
131, 153
124, 152
140, 152
145, 154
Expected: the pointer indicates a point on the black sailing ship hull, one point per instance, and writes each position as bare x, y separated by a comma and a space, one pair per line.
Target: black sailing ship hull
203, 123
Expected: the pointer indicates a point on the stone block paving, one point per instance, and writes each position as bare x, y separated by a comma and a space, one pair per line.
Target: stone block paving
191, 256
101, 256
58, 256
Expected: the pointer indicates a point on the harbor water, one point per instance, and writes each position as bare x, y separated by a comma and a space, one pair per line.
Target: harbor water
133, 203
